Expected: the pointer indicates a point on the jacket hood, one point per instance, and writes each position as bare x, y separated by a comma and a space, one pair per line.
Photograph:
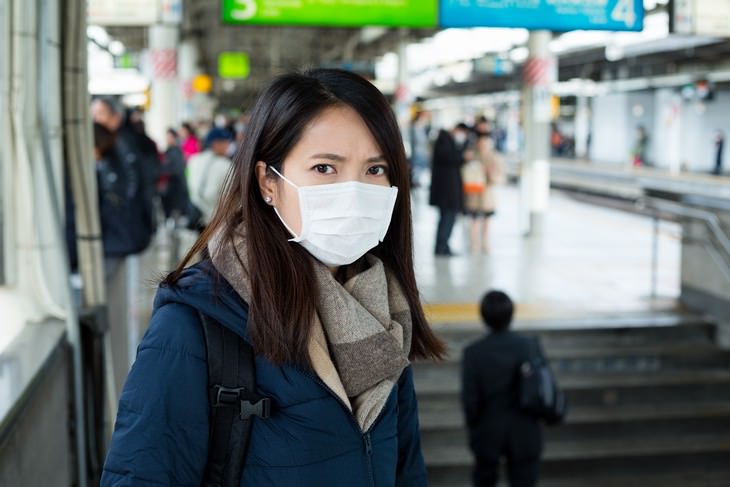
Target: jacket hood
202, 287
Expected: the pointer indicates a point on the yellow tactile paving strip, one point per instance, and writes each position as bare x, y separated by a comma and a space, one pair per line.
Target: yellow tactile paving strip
469, 312
440, 313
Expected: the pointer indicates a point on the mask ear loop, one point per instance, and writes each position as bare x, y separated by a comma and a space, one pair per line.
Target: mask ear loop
284, 178
295, 238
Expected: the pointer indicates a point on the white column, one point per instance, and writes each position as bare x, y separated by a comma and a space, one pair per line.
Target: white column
402, 93
582, 127
187, 69
163, 40
539, 72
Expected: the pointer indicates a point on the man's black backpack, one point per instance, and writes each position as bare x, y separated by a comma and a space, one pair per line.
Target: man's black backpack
233, 400
540, 395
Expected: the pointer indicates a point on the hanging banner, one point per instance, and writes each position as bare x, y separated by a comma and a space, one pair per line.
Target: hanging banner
332, 13
554, 15
122, 12
700, 17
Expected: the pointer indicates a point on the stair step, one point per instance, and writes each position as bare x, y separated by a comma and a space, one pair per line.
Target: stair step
627, 473
618, 449
630, 432
435, 380
586, 333
642, 358
440, 417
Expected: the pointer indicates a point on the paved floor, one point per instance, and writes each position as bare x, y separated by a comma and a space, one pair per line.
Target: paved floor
591, 261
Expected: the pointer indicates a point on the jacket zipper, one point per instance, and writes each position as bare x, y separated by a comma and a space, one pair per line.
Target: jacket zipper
369, 454
366, 436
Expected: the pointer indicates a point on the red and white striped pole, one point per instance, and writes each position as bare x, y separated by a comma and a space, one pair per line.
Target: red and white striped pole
538, 74
164, 89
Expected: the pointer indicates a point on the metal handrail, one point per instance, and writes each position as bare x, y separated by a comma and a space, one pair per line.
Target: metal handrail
720, 244
709, 218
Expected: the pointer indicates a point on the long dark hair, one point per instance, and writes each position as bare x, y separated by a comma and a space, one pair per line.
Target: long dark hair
283, 286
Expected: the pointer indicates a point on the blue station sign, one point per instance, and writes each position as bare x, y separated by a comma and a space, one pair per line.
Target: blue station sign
555, 15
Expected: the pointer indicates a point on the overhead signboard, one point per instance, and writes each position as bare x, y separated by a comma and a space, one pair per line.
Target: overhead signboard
122, 12
341, 13
233, 65
134, 12
555, 15
700, 17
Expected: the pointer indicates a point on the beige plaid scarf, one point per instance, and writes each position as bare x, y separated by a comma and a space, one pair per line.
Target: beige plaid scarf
361, 335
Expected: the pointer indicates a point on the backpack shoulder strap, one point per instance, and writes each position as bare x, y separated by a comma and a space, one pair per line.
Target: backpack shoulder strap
534, 350
232, 399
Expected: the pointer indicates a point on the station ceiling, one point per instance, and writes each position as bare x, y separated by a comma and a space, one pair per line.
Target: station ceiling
273, 50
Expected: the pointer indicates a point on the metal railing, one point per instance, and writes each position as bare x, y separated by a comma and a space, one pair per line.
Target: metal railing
717, 246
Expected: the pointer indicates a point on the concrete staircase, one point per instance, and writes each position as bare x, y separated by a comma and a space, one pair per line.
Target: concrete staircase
649, 406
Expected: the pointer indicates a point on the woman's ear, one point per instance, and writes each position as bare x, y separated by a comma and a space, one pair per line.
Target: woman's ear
267, 184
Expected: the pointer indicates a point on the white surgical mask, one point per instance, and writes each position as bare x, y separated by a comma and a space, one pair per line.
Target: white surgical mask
459, 138
342, 221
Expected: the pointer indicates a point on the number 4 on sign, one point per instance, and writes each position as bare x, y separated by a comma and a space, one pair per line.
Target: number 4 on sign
624, 12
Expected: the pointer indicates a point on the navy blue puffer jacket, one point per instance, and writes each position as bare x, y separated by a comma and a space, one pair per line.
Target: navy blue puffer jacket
311, 439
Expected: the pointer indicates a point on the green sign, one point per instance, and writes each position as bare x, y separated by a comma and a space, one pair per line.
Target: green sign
334, 13
233, 65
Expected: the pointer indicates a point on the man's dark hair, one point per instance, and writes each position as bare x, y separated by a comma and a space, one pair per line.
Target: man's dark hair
112, 104
497, 309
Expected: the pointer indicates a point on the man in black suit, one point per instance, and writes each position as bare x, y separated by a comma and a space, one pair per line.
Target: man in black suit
490, 398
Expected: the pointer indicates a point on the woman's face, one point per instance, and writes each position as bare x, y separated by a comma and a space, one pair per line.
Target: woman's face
335, 147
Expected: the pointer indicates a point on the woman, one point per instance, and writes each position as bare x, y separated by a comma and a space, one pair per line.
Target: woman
302, 260
480, 177
189, 143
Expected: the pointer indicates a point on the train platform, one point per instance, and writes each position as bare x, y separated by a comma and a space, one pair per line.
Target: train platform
591, 262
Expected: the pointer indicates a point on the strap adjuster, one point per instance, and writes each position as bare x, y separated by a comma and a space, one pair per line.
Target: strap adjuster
226, 396
248, 403
255, 406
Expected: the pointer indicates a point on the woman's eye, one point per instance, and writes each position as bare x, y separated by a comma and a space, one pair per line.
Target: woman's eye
377, 170
323, 168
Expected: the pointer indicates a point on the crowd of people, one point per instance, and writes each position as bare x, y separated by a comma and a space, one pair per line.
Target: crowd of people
139, 180
465, 168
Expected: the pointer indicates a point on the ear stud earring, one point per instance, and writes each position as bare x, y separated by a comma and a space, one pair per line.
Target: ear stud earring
268, 199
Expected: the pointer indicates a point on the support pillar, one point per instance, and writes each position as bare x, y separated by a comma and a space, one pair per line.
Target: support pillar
402, 93
187, 69
582, 127
164, 92
538, 74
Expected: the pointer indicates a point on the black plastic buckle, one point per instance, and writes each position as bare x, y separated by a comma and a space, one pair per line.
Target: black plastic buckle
226, 396
260, 406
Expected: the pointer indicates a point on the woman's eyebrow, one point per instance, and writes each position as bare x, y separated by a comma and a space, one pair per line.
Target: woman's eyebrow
338, 158
328, 156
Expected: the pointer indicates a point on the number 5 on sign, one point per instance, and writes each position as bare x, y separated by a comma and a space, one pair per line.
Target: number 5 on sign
625, 12
243, 9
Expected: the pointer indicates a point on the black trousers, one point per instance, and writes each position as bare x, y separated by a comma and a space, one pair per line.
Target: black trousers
447, 218
521, 472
